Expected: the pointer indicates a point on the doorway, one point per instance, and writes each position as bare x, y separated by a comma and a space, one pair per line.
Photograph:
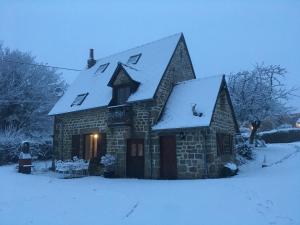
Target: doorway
94, 146
168, 160
135, 158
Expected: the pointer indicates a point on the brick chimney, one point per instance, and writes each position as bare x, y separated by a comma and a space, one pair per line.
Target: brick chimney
91, 61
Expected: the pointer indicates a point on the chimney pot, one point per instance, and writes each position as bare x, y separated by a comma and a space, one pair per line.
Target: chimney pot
91, 53
91, 61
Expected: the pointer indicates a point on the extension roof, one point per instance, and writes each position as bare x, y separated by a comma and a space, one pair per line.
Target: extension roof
201, 94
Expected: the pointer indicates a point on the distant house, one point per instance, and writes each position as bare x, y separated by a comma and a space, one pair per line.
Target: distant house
298, 123
146, 107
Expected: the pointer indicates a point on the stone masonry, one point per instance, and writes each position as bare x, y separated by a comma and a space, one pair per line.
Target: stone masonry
195, 146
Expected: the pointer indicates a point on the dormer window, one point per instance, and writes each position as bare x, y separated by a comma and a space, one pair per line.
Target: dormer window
79, 99
134, 59
122, 93
102, 68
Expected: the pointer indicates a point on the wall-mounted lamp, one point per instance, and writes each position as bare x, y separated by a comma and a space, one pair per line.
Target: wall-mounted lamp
181, 136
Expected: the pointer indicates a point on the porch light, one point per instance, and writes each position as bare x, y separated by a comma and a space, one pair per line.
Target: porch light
298, 123
95, 136
181, 136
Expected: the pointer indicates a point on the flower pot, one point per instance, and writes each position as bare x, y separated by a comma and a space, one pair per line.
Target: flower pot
109, 174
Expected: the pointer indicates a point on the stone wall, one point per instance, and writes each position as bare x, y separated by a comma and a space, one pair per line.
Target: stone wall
117, 144
190, 152
196, 148
83, 122
179, 69
222, 122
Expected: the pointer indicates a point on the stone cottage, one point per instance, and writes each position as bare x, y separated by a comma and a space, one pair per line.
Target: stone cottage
146, 107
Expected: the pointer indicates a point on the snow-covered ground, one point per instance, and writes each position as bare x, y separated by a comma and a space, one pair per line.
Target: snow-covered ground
257, 195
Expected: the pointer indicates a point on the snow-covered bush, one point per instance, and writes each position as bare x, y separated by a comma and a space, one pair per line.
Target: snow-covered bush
108, 161
10, 140
229, 169
243, 148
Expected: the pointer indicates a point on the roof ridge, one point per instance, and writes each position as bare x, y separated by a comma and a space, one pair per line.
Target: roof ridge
139, 46
197, 79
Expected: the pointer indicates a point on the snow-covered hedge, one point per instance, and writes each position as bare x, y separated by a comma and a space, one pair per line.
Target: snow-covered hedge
10, 145
281, 135
10, 141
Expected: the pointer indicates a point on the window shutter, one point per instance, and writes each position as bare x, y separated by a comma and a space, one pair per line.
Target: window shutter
219, 144
102, 145
75, 145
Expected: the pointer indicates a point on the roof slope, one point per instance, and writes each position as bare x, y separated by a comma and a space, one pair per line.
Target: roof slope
148, 72
200, 93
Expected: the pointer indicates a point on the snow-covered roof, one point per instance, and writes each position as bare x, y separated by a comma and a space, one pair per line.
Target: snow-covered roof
200, 94
148, 71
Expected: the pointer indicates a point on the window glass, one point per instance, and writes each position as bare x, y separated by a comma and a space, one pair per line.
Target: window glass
140, 150
79, 99
133, 150
102, 68
122, 94
134, 59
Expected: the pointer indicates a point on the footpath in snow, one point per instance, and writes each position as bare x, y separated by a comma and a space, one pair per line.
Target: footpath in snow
257, 195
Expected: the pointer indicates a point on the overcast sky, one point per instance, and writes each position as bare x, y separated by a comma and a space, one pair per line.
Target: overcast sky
222, 36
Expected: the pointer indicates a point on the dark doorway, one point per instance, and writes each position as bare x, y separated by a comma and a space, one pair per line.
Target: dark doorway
135, 158
168, 161
94, 146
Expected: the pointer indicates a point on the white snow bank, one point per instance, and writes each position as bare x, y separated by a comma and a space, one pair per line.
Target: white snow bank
256, 196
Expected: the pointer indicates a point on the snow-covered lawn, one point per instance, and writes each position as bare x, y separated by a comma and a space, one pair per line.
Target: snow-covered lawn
257, 195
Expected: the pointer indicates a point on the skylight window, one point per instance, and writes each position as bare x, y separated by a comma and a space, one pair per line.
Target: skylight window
134, 59
79, 99
102, 68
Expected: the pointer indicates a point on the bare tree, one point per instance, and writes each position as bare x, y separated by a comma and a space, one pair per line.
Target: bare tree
259, 94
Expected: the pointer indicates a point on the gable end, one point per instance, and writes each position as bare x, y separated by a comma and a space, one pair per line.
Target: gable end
224, 89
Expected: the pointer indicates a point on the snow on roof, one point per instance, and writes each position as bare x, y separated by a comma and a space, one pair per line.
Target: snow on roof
148, 71
200, 93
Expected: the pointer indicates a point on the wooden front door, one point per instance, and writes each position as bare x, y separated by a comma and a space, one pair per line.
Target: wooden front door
168, 161
135, 158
